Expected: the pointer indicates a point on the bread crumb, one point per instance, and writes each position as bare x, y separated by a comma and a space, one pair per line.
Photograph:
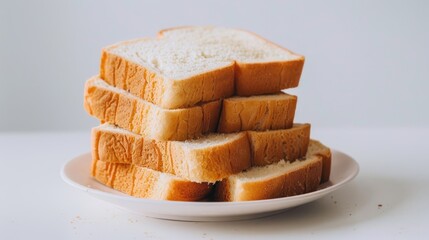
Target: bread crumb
75, 219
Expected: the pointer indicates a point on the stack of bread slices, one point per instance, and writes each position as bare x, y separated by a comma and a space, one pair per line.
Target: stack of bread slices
198, 113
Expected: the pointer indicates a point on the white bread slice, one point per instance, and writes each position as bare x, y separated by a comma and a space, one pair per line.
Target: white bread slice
263, 112
279, 179
208, 159
121, 108
189, 65
147, 183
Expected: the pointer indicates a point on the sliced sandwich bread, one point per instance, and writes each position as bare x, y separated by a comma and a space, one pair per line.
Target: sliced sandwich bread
279, 179
116, 106
207, 159
263, 112
190, 65
147, 183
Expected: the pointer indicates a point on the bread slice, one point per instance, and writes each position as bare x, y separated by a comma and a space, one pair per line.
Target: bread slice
207, 159
279, 179
116, 106
189, 65
264, 112
121, 108
147, 183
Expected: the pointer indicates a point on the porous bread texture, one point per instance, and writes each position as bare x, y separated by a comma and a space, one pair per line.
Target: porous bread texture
186, 66
264, 112
116, 106
184, 52
147, 183
280, 179
207, 159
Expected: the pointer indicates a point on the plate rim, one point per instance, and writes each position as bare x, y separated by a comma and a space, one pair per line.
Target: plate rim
328, 189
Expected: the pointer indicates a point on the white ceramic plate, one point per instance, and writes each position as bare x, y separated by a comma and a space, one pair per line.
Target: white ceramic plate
76, 173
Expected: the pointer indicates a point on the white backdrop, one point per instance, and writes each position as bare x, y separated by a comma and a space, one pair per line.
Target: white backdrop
366, 61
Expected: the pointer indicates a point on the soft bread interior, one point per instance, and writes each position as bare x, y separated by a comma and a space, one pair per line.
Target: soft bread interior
281, 167
115, 129
272, 170
316, 147
211, 140
270, 97
184, 52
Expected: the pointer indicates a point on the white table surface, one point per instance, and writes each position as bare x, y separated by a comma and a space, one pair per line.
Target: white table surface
389, 199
